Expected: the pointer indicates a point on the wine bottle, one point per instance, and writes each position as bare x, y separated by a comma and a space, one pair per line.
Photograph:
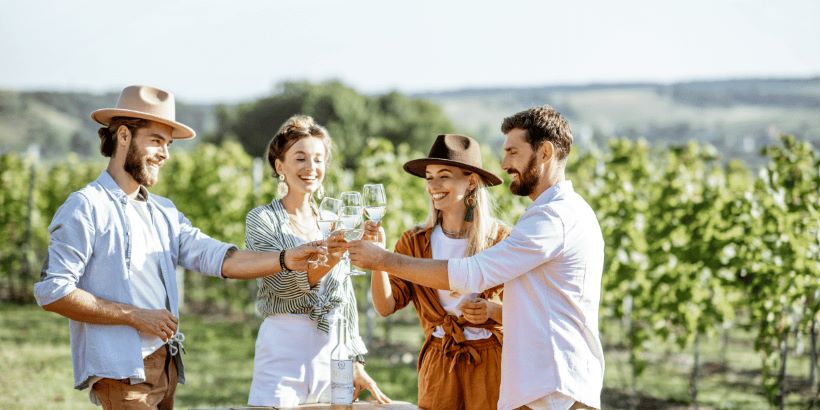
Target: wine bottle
341, 370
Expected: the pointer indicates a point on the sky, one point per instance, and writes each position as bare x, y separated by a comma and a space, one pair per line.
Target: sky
228, 51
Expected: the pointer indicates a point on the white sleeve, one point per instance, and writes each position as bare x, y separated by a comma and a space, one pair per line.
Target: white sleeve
536, 238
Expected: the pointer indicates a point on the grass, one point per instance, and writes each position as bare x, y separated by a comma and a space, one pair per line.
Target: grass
36, 370
35, 367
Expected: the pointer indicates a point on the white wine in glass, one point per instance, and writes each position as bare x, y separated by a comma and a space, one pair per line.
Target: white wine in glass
328, 217
329, 211
351, 220
375, 201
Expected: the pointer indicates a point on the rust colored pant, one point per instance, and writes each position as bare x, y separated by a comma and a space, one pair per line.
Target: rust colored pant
471, 385
577, 406
157, 392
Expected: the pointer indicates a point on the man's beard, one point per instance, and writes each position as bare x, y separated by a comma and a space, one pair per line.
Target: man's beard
136, 165
527, 179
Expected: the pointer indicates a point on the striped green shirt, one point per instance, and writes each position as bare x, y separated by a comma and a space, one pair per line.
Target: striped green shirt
267, 228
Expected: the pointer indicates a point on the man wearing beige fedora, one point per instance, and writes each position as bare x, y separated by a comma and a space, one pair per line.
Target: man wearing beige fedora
550, 265
113, 253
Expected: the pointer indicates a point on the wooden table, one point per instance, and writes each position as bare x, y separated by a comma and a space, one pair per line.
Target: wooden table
359, 405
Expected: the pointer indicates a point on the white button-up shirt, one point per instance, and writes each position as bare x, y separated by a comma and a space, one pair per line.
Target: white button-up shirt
551, 267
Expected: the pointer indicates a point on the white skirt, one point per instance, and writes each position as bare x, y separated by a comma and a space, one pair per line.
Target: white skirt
291, 365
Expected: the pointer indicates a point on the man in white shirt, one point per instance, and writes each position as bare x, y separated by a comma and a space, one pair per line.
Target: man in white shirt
550, 266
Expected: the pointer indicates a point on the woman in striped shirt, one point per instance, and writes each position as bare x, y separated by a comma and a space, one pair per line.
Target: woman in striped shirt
292, 357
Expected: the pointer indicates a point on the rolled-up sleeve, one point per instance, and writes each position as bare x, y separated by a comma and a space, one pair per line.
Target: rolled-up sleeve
402, 290
199, 252
536, 238
71, 245
262, 235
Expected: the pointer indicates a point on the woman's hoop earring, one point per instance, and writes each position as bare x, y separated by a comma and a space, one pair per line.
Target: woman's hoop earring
282, 187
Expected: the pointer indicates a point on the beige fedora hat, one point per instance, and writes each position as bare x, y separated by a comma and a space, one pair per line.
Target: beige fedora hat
150, 103
453, 150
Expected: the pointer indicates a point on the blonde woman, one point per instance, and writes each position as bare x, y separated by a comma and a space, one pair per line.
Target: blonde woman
460, 361
292, 357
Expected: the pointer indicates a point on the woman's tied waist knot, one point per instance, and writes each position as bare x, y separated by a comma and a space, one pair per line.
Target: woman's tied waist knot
453, 340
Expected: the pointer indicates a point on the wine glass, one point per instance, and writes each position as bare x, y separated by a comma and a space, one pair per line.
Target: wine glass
351, 221
329, 210
351, 198
375, 201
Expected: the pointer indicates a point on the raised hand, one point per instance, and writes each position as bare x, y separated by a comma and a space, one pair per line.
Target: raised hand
336, 243
298, 258
374, 232
366, 254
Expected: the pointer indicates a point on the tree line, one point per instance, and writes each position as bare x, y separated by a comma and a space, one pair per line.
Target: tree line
695, 245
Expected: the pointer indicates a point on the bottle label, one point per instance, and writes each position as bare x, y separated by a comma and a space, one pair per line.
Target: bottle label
341, 382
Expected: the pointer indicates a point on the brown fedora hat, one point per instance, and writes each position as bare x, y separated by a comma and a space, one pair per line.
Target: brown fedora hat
150, 103
453, 150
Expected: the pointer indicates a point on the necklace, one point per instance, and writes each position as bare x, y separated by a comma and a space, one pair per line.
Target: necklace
453, 234
307, 232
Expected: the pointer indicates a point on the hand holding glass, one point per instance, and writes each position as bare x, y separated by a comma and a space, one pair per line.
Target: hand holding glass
351, 220
328, 217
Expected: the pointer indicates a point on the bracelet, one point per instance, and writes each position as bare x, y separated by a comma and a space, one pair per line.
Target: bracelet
359, 359
282, 266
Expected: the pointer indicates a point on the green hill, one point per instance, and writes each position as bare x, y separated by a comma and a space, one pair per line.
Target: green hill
737, 116
54, 123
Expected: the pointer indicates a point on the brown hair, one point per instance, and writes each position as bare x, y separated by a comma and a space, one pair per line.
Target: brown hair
294, 129
542, 124
108, 135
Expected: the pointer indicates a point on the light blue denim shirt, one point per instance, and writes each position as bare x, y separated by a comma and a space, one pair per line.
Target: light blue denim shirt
90, 249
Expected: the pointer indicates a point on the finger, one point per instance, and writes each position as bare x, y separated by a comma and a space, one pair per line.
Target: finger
377, 394
170, 316
312, 250
162, 332
356, 390
336, 236
171, 326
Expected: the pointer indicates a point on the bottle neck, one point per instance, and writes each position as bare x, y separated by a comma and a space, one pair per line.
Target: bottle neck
340, 351
340, 332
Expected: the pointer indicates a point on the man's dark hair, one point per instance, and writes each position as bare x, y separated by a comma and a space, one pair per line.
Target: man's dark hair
108, 135
542, 124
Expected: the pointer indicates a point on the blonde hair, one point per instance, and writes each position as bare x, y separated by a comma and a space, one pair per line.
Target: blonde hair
484, 230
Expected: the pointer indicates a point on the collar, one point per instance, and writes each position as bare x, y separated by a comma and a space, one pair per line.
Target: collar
560, 188
107, 181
